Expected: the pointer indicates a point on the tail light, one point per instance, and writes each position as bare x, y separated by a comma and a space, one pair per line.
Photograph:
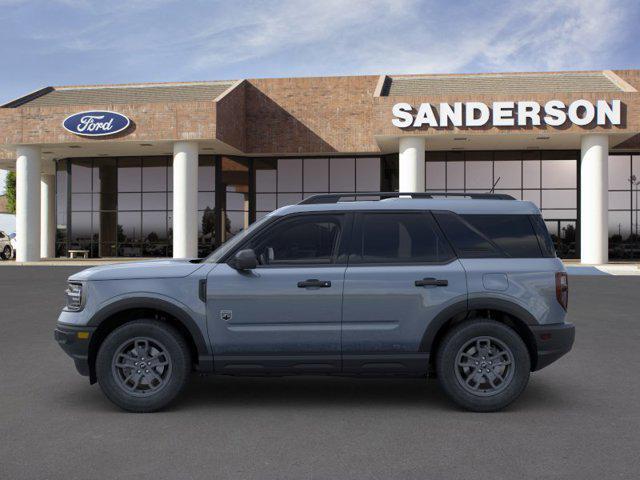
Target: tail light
562, 289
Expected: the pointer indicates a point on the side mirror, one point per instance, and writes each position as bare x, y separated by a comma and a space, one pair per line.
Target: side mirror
244, 260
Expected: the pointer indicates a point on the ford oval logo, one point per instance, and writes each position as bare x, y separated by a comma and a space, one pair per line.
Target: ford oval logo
96, 123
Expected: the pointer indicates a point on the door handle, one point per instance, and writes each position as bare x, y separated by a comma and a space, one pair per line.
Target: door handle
431, 282
313, 282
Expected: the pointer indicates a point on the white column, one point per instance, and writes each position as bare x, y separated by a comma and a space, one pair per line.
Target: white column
185, 200
47, 214
594, 199
411, 164
28, 204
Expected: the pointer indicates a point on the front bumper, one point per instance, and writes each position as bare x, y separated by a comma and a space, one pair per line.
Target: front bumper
75, 343
553, 341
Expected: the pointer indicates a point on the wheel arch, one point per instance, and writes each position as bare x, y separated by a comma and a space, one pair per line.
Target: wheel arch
126, 310
503, 311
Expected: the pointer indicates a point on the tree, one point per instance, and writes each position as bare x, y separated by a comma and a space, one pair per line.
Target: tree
10, 188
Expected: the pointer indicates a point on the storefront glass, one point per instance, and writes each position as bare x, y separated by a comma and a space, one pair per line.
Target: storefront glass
624, 194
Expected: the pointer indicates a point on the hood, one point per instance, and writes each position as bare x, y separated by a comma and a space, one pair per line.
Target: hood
139, 270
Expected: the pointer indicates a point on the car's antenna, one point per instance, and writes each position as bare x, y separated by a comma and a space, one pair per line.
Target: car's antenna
494, 185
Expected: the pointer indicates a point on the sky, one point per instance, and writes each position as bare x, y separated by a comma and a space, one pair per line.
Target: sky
71, 42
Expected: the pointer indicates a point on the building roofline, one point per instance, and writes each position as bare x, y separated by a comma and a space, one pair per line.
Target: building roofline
27, 98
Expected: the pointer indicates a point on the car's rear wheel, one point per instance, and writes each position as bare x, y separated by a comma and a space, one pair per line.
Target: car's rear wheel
6, 252
483, 365
143, 365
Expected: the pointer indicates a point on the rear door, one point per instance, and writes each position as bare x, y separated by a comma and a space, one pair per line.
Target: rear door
402, 272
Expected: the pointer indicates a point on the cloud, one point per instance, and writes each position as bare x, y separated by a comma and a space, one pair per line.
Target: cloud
158, 40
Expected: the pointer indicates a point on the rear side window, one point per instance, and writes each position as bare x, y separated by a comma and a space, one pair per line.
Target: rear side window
513, 234
468, 241
398, 237
544, 238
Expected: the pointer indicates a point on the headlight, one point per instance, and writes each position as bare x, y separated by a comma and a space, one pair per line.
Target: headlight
74, 297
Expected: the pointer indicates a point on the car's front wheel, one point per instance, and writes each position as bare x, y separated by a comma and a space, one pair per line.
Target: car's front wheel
6, 253
143, 365
483, 365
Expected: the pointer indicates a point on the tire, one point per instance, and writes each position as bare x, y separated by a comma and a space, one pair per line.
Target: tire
483, 341
7, 253
139, 385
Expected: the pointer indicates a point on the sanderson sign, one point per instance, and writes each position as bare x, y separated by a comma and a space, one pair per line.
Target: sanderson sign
507, 114
96, 123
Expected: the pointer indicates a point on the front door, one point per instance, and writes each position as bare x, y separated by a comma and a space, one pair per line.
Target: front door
285, 315
402, 273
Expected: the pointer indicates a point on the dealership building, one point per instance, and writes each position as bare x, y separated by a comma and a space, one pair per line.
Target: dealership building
176, 169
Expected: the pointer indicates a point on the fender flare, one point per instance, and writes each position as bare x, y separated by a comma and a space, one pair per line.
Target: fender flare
156, 303
466, 306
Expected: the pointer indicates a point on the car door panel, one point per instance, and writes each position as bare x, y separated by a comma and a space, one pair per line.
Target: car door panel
402, 274
285, 315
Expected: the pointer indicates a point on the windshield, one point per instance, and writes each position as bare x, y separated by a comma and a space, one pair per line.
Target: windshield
238, 238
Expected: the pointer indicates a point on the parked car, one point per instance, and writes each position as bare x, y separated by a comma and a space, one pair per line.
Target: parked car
466, 289
6, 246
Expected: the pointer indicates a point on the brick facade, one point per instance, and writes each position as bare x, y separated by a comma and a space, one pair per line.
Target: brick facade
291, 116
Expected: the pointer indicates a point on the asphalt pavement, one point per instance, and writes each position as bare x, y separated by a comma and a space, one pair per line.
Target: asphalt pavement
578, 418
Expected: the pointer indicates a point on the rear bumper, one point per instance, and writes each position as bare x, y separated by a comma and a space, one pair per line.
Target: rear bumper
553, 341
74, 345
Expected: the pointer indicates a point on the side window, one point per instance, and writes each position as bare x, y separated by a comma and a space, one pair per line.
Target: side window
398, 237
2, 236
306, 240
468, 241
512, 233
543, 236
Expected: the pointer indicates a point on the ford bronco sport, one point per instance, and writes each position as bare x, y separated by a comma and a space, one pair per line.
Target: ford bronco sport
465, 288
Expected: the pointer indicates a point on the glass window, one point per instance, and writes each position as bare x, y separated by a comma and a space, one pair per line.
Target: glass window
316, 175
435, 176
468, 241
289, 175
206, 173
401, 238
367, 174
619, 172
559, 199
455, 175
154, 174
559, 173
514, 234
129, 201
308, 240
81, 175
342, 174
479, 174
507, 174
531, 174
129, 175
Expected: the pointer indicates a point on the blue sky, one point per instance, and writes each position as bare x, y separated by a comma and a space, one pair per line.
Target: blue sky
70, 42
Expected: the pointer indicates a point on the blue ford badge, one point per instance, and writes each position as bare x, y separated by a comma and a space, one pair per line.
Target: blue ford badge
96, 123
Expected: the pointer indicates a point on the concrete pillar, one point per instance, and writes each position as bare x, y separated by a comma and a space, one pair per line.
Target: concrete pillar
411, 155
47, 215
185, 200
594, 199
28, 203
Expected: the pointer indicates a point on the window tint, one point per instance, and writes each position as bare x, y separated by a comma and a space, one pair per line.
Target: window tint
544, 239
401, 238
468, 241
308, 240
514, 234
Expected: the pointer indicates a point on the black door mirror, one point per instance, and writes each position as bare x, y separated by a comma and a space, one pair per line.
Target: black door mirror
244, 260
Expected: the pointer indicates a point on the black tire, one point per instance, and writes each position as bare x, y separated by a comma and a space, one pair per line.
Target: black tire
144, 392
457, 361
7, 253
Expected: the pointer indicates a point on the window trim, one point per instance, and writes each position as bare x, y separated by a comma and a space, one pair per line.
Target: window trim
356, 236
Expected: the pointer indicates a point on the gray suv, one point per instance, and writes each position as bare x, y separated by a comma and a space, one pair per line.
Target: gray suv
464, 288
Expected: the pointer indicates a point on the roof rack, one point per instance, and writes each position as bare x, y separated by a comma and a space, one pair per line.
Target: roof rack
335, 197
